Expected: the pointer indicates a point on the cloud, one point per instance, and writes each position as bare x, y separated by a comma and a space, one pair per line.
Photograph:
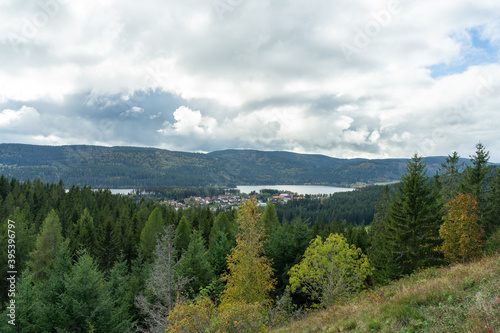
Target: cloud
132, 112
267, 75
25, 119
189, 122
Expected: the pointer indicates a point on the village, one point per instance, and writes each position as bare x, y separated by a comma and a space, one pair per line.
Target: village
231, 201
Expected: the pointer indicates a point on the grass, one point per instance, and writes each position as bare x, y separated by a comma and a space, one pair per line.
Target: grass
460, 298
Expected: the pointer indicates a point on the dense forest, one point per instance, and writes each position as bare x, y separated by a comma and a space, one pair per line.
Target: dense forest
133, 167
88, 260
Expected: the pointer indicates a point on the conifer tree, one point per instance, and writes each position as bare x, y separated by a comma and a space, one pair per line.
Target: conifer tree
153, 226
379, 252
218, 251
86, 235
250, 272
195, 264
86, 305
163, 286
414, 221
269, 219
47, 247
476, 176
223, 224
451, 176
182, 235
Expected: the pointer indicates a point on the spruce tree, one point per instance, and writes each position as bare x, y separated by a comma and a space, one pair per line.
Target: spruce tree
153, 226
379, 252
269, 219
47, 247
224, 225
414, 221
477, 175
195, 265
182, 235
451, 176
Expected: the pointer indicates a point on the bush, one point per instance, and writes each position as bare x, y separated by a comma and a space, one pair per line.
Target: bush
493, 243
203, 316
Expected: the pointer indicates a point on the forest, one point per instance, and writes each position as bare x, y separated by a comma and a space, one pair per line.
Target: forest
90, 261
133, 167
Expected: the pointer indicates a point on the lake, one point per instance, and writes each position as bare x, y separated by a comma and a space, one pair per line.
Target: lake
300, 189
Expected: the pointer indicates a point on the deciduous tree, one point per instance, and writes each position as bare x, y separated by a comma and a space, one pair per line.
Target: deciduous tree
461, 232
250, 272
330, 270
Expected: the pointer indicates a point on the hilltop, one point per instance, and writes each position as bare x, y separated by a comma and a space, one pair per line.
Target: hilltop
460, 298
120, 167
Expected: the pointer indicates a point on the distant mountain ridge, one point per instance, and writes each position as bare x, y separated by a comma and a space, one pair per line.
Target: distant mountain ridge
116, 167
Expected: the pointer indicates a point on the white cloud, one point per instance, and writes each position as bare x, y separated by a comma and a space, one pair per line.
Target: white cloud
258, 75
132, 112
189, 122
24, 119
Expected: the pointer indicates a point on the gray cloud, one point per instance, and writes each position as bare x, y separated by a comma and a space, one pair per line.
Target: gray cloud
344, 78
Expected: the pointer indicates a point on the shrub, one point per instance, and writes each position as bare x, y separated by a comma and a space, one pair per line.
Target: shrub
203, 316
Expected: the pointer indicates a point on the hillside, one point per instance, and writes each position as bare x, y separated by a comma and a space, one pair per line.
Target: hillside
461, 298
117, 167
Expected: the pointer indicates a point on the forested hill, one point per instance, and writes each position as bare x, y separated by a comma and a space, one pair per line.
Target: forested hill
133, 167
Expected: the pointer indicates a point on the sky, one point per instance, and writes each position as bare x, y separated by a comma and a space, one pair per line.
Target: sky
345, 78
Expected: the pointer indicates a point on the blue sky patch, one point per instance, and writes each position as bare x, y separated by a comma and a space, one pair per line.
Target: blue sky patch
475, 50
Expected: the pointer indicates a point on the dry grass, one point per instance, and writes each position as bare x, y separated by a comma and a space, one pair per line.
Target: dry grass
460, 298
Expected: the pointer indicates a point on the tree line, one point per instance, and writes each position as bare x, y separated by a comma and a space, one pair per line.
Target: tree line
93, 261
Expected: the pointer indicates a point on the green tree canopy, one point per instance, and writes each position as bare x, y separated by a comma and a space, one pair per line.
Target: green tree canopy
414, 221
250, 272
330, 270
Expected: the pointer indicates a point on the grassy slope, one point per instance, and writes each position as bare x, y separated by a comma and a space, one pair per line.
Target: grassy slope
460, 298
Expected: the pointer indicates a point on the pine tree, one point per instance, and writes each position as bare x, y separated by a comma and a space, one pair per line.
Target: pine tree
250, 272
414, 220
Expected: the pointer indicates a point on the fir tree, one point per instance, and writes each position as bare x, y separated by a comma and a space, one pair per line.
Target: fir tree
379, 251
451, 176
153, 226
47, 247
182, 235
195, 264
414, 221
476, 176
269, 219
